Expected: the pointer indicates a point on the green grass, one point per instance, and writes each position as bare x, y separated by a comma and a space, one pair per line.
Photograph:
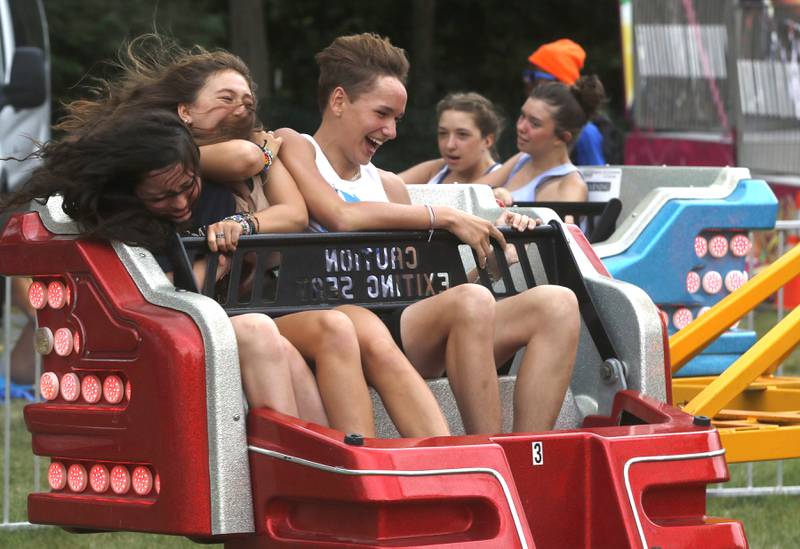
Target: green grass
770, 521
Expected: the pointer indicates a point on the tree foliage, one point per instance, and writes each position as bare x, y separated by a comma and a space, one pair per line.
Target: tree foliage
477, 45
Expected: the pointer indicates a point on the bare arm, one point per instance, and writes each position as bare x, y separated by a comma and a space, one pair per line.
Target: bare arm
326, 207
287, 211
394, 187
232, 160
573, 188
422, 172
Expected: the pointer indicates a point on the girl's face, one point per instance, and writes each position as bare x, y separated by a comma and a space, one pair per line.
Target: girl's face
536, 128
460, 141
371, 120
170, 192
225, 94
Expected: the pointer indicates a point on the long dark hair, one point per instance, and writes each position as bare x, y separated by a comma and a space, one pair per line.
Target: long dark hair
157, 73
97, 171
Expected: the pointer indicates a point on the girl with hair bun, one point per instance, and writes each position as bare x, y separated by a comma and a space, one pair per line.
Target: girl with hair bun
468, 128
550, 121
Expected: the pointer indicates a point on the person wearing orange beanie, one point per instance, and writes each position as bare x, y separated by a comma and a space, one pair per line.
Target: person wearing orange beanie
563, 60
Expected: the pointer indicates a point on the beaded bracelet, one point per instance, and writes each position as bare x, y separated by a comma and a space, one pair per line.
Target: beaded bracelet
245, 221
268, 158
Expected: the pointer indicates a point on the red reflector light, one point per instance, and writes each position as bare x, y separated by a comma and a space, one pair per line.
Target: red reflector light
57, 476
37, 295
740, 245
120, 480
48, 385
692, 282
718, 246
158, 483
128, 390
76, 343
700, 246
681, 318
77, 477
70, 387
113, 389
142, 480
56, 294
63, 341
91, 389
99, 479
712, 282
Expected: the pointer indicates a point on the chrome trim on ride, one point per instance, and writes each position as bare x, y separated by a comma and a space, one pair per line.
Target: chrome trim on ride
406, 473
643, 459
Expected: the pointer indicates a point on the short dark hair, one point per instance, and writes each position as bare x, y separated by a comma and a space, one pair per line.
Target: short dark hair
354, 62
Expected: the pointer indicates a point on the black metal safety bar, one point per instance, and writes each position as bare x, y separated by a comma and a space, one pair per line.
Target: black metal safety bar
600, 218
381, 271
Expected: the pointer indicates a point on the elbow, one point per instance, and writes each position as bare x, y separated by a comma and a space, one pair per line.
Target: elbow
339, 223
250, 163
299, 221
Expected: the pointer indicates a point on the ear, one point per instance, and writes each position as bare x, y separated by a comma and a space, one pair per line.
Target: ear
183, 113
566, 137
337, 101
488, 141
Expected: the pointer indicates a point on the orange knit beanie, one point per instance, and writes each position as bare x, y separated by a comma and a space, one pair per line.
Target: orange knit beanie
562, 58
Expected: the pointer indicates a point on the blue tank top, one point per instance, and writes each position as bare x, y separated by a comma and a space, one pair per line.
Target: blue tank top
441, 174
527, 193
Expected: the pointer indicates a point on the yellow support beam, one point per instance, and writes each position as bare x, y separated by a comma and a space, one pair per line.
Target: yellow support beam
688, 342
760, 443
768, 351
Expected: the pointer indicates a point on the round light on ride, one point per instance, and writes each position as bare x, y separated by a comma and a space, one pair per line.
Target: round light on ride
57, 476
712, 282
63, 341
56, 294
734, 280
48, 385
120, 480
718, 246
700, 246
681, 318
37, 295
99, 479
740, 245
70, 387
692, 282
142, 480
702, 311
77, 479
76, 343
113, 389
91, 389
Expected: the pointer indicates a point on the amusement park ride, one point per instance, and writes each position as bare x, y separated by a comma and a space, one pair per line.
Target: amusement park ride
143, 418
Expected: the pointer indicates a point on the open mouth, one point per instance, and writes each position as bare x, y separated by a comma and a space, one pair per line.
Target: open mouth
373, 145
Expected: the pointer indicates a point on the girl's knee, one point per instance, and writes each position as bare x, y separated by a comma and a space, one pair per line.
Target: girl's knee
334, 328
471, 302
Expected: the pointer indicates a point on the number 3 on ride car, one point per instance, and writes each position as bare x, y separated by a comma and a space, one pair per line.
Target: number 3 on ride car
537, 450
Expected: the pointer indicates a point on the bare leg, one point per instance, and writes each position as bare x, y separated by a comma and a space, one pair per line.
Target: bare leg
306, 392
456, 329
328, 339
263, 360
405, 394
547, 320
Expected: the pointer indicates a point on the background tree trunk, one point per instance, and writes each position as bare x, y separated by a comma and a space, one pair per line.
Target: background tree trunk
248, 28
422, 52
